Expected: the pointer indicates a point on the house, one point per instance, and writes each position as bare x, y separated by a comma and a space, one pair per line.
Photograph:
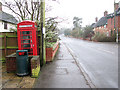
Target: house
7, 21
108, 24
101, 25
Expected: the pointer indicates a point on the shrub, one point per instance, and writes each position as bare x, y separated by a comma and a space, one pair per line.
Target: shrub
50, 44
74, 33
103, 38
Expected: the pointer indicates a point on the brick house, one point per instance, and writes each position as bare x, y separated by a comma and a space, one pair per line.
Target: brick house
106, 23
101, 25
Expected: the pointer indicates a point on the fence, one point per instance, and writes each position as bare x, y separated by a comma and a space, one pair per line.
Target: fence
9, 44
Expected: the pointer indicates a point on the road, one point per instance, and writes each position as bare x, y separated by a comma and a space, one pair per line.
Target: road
99, 60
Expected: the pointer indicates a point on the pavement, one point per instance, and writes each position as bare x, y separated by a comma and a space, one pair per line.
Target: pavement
11, 80
63, 72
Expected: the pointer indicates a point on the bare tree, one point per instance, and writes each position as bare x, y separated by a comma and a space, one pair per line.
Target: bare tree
30, 10
25, 9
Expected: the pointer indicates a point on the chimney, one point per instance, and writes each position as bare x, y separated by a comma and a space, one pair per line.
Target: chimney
116, 6
96, 19
105, 13
0, 6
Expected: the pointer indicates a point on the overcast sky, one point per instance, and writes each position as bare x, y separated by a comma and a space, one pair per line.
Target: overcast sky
86, 9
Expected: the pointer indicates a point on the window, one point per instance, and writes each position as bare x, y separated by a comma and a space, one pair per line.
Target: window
107, 33
111, 32
104, 26
5, 25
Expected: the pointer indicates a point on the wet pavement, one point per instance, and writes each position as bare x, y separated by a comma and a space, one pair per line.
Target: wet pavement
63, 72
98, 59
11, 80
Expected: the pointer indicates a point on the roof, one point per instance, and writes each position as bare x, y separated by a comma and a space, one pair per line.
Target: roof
112, 14
101, 22
7, 17
92, 25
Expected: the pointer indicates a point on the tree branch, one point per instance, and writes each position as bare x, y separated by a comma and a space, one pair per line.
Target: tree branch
9, 6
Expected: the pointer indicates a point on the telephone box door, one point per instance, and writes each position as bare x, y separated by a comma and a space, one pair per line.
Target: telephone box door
27, 41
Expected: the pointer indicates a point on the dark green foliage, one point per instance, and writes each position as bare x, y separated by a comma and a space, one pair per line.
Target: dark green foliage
50, 44
77, 22
88, 32
75, 33
103, 38
51, 32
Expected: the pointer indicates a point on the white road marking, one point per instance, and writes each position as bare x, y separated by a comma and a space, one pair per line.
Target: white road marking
105, 50
101, 49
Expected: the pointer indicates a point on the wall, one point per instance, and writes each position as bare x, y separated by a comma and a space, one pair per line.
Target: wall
111, 23
103, 29
9, 25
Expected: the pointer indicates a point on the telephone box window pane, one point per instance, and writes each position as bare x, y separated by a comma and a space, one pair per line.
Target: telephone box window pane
26, 32
26, 41
26, 37
25, 46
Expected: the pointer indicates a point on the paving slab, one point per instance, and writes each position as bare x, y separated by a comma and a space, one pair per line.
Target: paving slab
63, 72
11, 80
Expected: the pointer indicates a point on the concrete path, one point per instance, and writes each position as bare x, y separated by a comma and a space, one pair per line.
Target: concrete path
63, 72
11, 80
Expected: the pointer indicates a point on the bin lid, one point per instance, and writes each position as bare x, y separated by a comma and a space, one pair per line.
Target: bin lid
22, 51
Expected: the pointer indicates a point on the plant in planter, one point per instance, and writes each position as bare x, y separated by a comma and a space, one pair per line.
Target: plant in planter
51, 39
51, 32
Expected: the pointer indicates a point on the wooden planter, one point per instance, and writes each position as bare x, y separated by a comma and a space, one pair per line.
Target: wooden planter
50, 52
11, 62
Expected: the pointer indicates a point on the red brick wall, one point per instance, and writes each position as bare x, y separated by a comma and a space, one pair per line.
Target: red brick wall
110, 26
111, 23
101, 29
50, 53
119, 23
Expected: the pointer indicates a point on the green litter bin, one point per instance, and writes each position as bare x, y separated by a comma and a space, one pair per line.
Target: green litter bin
22, 62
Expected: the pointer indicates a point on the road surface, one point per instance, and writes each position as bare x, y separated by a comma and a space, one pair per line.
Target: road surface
99, 60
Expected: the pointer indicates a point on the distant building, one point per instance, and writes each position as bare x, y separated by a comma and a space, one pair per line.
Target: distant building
7, 21
101, 25
106, 24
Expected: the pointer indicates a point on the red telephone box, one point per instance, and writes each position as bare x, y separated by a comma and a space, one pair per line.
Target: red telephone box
27, 36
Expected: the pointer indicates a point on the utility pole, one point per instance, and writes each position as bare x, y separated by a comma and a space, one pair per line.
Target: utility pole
115, 29
42, 33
